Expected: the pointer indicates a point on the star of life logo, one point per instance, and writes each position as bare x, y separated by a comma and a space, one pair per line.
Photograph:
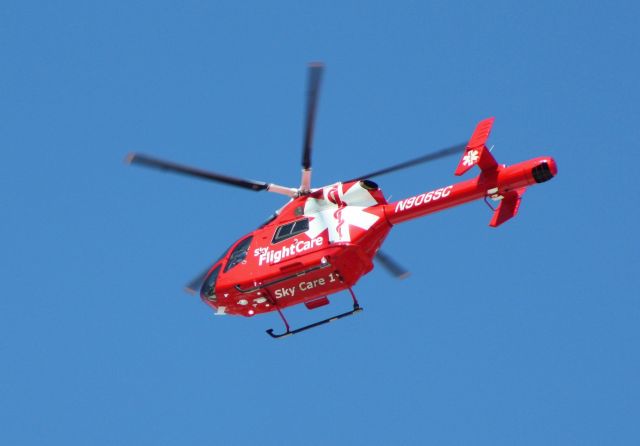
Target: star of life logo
470, 158
337, 211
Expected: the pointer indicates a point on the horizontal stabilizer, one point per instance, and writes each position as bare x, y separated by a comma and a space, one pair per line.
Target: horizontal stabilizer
508, 207
476, 152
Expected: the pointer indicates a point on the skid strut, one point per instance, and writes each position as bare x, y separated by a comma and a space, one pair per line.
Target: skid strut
356, 309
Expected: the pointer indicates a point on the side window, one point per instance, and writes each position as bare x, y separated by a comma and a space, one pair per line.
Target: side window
290, 229
209, 286
238, 254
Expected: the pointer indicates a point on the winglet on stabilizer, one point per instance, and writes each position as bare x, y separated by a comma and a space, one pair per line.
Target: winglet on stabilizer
476, 151
508, 207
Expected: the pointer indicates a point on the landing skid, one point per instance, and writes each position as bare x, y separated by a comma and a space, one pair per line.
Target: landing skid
356, 309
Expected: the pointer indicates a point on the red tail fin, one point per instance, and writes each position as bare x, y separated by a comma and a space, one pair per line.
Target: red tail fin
477, 152
508, 207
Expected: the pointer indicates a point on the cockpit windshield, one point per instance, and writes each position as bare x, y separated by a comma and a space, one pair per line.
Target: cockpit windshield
209, 286
239, 253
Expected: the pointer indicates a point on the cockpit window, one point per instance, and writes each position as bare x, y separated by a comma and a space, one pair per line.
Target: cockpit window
209, 286
238, 254
290, 229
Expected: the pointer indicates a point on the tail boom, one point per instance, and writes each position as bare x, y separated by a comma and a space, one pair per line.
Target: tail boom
503, 182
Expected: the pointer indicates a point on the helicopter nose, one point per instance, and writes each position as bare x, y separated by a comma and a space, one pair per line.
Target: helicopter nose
545, 170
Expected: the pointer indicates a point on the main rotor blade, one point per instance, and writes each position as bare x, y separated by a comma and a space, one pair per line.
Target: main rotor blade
392, 266
313, 87
144, 160
458, 148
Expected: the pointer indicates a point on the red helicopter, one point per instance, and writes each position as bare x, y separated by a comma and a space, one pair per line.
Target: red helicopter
325, 239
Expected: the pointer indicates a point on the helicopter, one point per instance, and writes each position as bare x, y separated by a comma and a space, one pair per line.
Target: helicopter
323, 240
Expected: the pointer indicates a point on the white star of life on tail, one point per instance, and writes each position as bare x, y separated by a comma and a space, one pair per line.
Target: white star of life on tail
471, 158
337, 211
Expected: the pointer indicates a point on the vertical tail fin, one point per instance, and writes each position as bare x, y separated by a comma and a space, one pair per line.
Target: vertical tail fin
476, 151
508, 207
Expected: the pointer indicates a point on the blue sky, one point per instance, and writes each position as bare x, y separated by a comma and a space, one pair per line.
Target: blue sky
526, 334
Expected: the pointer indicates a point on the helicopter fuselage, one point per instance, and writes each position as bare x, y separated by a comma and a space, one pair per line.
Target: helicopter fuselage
322, 243
318, 244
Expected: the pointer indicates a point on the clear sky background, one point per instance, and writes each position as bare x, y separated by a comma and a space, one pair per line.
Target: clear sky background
525, 334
